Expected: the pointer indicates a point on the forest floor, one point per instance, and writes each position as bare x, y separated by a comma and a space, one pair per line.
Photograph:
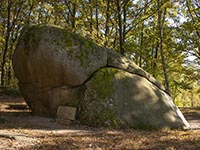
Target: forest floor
20, 130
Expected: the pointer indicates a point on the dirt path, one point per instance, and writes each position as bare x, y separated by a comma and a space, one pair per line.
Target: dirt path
20, 130
193, 117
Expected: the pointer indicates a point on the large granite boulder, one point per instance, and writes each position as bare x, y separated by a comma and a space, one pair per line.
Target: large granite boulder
51, 63
56, 67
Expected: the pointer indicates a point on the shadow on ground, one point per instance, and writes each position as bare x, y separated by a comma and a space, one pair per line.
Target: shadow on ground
19, 129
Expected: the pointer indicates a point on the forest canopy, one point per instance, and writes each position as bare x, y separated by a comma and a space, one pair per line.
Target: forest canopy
161, 36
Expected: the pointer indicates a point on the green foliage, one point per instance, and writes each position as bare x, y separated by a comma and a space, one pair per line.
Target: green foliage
141, 29
15, 92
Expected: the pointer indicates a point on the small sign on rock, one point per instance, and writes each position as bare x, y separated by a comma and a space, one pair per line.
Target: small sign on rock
66, 112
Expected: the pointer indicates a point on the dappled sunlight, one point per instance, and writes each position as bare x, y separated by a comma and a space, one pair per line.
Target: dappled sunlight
25, 131
142, 103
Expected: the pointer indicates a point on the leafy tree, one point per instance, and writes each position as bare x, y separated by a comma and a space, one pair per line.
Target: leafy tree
161, 36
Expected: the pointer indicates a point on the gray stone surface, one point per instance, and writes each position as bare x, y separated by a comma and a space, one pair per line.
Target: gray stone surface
115, 97
46, 101
56, 67
66, 112
48, 58
118, 61
51, 56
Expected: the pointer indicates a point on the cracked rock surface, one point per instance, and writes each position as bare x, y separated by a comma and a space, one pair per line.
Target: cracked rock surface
56, 67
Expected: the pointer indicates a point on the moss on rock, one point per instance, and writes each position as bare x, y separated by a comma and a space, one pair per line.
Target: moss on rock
98, 105
49, 57
57, 67
117, 98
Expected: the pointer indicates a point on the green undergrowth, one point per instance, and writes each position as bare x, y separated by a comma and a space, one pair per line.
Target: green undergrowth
10, 91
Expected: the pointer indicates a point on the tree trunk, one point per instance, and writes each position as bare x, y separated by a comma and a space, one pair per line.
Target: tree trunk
120, 28
107, 22
91, 13
193, 19
141, 45
192, 99
73, 14
160, 29
6, 42
97, 19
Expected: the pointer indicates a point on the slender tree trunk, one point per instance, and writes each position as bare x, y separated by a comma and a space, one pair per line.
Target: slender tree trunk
9, 4
124, 21
97, 18
120, 28
192, 99
107, 22
10, 38
155, 54
141, 45
67, 16
142, 37
155, 57
73, 14
9, 75
91, 13
13, 37
30, 11
160, 29
193, 19
115, 39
